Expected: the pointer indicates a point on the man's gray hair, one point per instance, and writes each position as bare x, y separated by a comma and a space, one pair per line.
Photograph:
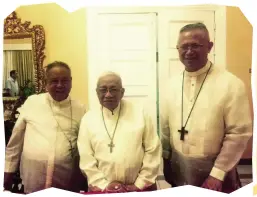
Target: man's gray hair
109, 73
193, 26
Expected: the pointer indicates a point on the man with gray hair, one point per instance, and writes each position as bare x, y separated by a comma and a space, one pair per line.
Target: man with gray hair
205, 118
119, 148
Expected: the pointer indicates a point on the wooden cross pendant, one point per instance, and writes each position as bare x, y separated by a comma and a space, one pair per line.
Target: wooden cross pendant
111, 145
182, 132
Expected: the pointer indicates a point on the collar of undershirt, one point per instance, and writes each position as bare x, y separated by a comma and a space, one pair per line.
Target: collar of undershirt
60, 103
109, 113
200, 71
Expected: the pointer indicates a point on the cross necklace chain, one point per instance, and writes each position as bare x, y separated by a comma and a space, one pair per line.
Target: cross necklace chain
183, 131
111, 145
71, 148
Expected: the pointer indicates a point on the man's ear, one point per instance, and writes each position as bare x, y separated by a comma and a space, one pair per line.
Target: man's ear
123, 90
210, 47
71, 82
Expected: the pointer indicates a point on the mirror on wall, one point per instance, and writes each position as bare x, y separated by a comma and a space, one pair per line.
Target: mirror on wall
18, 64
23, 56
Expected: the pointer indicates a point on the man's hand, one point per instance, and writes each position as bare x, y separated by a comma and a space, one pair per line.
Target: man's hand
94, 189
132, 188
8, 180
212, 184
115, 187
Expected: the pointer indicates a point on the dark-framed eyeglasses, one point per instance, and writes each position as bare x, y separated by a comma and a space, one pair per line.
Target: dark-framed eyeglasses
186, 47
110, 90
62, 82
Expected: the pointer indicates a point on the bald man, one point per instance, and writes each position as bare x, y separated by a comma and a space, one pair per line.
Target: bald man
119, 148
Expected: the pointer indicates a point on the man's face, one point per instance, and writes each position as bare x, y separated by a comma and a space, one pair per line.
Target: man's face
193, 48
58, 83
109, 91
15, 75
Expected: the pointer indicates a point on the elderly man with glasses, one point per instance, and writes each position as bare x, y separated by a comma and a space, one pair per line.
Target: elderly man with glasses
119, 148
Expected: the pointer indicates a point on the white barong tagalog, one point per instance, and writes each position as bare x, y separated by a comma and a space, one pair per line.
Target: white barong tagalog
218, 129
40, 147
136, 157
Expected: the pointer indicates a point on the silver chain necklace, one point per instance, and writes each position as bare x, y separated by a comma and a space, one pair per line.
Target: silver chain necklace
111, 145
71, 148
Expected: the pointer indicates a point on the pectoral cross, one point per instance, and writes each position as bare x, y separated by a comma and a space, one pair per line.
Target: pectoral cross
111, 145
182, 133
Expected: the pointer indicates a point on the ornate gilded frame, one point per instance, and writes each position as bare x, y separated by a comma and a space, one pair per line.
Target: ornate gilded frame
15, 29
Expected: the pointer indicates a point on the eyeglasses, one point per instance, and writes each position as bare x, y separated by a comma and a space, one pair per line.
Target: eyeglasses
62, 82
105, 90
191, 46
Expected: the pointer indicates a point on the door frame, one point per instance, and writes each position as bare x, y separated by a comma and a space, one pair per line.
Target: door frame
92, 12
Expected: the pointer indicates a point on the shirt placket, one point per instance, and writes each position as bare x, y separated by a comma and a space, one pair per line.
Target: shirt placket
191, 95
192, 91
192, 87
51, 158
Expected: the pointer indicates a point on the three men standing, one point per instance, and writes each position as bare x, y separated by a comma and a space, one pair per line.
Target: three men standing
205, 119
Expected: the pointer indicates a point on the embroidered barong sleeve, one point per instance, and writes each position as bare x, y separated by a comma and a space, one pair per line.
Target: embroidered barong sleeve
88, 163
238, 130
152, 156
15, 145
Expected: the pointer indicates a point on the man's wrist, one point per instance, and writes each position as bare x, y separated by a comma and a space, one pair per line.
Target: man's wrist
218, 174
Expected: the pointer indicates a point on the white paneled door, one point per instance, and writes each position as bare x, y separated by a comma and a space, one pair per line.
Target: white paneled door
128, 44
